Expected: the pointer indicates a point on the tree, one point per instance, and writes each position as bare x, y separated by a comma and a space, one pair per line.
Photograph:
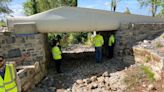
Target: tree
114, 5
35, 6
127, 11
153, 4
4, 7
2, 23
161, 14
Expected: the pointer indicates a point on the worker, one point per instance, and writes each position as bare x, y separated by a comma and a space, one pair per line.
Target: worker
9, 80
111, 43
98, 42
57, 56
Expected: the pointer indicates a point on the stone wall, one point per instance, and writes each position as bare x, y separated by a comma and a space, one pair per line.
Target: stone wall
12, 47
130, 34
149, 58
151, 54
30, 72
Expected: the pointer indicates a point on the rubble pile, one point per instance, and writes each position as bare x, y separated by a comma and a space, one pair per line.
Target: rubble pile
105, 83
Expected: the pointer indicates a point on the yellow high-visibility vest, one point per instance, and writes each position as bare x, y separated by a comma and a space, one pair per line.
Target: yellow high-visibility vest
111, 40
8, 84
56, 53
98, 40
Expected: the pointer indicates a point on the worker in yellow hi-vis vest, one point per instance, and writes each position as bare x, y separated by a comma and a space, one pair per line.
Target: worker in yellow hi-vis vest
98, 42
9, 80
57, 56
111, 43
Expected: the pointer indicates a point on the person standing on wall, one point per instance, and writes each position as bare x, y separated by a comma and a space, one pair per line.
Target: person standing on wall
57, 56
111, 43
98, 42
9, 80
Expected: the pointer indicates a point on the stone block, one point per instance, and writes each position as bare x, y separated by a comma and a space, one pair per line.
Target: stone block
20, 40
6, 47
39, 36
31, 37
23, 76
14, 53
37, 78
25, 28
30, 49
28, 45
31, 72
38, 58
10, 40
27, 86
3, 41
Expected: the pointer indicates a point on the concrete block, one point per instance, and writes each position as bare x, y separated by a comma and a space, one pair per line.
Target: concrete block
25, 28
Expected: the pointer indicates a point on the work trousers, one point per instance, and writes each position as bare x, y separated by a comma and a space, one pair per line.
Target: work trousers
98, 54
110, 51
58, 65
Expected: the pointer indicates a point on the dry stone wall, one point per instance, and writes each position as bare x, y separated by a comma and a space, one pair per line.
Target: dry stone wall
130, 34
151, 54
12, 47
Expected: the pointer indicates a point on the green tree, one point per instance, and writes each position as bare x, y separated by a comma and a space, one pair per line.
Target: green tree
4, 6
30, 7
2, 23
161, 14
153, 4
114, 5
35, 6
127, 11
68, 2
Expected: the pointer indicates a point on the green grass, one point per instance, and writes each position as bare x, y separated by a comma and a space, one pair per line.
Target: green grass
148, 72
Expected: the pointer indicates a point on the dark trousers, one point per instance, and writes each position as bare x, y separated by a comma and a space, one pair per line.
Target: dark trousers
58, 65
98, 54
110, 51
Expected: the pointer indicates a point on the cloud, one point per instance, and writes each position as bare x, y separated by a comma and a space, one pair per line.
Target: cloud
107, 3
17, 8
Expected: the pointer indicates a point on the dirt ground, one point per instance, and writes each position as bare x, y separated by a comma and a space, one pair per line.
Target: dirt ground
140, 82
82, 65
76, 67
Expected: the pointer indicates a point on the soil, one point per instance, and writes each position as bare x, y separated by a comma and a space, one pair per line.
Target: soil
76, 66
82, 65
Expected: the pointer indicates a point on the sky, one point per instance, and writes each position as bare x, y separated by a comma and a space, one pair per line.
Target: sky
133, 5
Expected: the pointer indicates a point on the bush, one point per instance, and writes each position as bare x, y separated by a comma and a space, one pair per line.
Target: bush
67, 39
89, 39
